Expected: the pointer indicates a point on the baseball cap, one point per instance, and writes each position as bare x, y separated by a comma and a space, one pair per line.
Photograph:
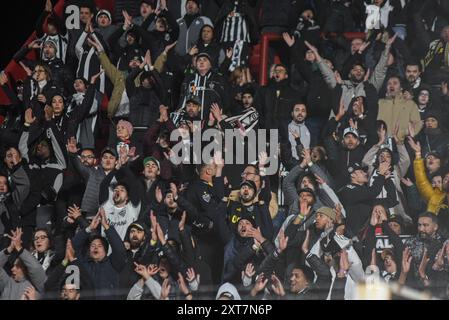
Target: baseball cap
110, 151
351, 130
204, 54
137, 225
356, 166
249, 183
194, 99
153, 159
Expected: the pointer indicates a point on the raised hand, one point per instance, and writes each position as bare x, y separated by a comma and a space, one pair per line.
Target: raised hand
216, 111
41, 98
256, 234
182, 285
391, 40
367, 75
29, 294
374, 221
191, 275
182, 222
338, 78
218, 159
94, 43
89, 28
384, 169
416, 146
165, 289
96, 76
295, 134
306, 155
147, 60
411, 129
396, 132
229, 52
71, 145
29, 118
314, 50
249, 271
153, 222
16, 240
263, 159
95, 222
104, 219
48, 6
277, 286
306, 242
439, 260
69, 251
407, 182
35, 44
423, 265
364, 45
48, 112
127, 18
152, 270
341, 111
344, 264
170, 46
142, 271
74, 212
160, 234
260, 284
26, 69
444, 88
158, 194
289, 40
193, 51
406, 260
283, 241
3, 78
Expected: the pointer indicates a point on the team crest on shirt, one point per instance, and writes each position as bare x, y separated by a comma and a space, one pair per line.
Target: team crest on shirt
211, 85
206, 197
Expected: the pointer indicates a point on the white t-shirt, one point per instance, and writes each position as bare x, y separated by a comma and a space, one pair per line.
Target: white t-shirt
121, 218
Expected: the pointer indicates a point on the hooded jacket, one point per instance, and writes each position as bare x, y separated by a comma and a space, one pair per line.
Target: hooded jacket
189, 34
13, 290
434, 197
144, 102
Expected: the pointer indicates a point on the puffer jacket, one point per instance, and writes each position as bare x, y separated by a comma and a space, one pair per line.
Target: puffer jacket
433, 196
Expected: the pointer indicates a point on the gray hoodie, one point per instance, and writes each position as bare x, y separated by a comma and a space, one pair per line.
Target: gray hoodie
13, 290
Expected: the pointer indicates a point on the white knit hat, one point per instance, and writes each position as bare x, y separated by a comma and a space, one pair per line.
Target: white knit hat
103, 11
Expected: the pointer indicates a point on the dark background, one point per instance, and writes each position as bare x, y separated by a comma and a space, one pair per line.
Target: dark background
17, 23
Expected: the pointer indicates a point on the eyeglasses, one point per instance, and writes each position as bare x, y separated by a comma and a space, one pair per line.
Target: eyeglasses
87, 157
40, 238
